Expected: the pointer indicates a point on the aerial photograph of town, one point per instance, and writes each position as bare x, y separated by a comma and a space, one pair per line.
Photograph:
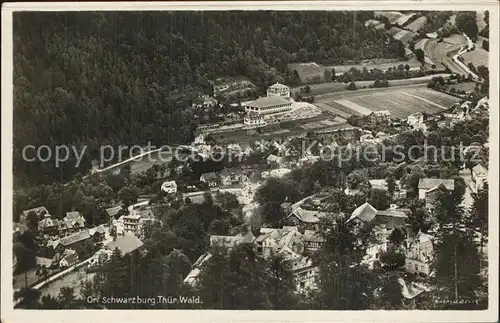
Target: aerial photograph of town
250, 160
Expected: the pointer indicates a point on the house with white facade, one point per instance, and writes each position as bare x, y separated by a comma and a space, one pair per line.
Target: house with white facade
169, 187
279, 90
479, 177
420, 254
271, 239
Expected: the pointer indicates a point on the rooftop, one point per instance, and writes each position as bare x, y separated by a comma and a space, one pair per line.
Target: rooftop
268, 101
38, 210
126, 243
307, 216
364, 212
74, 238
278, 86
429, 183
208, 176
480, 170
113, 210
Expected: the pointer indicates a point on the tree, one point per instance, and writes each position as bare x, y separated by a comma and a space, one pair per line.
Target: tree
407, 67
418, 219
457, 266
391, 294
278, 191
128, 195
379, 199
351, 86
343, 282
307, 89
333, 74
227, 201
282, 282
486, 45
397, 236
42, 272
66, 297
479, 213
32, 221
272, 213
176, 266
327, 75
420, 54
29, 297
391, 183
238, 280
393, 259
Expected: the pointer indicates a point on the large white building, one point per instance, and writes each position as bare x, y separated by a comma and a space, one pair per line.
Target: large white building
269, 105
279, 90
277, 101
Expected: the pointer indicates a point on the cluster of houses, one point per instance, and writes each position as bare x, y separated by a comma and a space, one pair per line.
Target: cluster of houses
300, 237
59, 238
287, 242
226, 177
65, 242
49, 227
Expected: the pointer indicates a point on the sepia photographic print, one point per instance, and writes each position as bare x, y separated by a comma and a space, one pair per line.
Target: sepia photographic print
250, 162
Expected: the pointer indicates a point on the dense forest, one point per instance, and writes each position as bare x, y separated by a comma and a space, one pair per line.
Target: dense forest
126, 78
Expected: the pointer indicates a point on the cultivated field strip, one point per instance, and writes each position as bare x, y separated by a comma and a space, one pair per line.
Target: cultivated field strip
401, 102
360, 109
417, 24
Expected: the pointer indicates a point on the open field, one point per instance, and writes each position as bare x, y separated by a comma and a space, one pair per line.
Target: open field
325, 88
467, 87
403, 19
417, 24
375, 24
393, 16
456, 39
400, 34
442, 52
309, 70
400, 101
477, 57
147, 162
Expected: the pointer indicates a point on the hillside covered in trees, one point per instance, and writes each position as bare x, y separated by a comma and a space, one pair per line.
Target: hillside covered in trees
126, 78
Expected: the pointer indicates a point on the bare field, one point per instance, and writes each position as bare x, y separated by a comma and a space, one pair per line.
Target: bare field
467, 87
400, 34
309, 70
393, 16
456, 39
417, 24
401, 102
402, 20
477, 57
332, 87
